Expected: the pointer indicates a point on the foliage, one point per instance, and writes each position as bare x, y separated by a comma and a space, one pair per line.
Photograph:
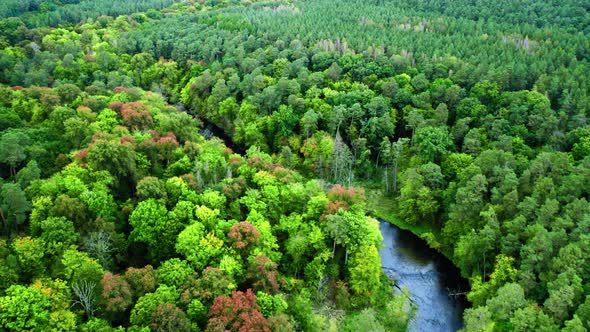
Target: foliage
24, 308
116, 293
471, 116
147, 305
236, 313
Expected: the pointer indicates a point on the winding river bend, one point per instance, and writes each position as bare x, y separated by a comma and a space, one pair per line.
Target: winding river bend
428, 275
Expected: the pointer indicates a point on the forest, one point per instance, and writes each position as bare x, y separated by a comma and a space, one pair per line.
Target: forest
219, 165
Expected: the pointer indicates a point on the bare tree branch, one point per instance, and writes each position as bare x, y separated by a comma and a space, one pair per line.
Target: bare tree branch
100, 246
84, 291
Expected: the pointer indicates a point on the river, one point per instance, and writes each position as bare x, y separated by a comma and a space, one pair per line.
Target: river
428, 275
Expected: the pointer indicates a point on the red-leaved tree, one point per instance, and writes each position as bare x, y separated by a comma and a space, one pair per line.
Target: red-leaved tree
136, 115
349, 195
263, 274
168, 317
143, 280
116, 293
213, 283
238, 313
244, 236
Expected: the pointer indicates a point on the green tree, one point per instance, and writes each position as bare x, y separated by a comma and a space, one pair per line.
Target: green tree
78, 266
29, 252
417, 202
208, 250
574, 325
58, 234
365, 320
270, 304
28, 174
478, 320
13, 207
174, 272
510, 298
24, 309
152, 226
117, 158
318, 152
504, 272
365, 272
564, 295
432, 143
147, 305
12, 148
532, 319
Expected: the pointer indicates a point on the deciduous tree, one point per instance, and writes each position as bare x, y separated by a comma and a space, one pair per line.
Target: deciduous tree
236, 313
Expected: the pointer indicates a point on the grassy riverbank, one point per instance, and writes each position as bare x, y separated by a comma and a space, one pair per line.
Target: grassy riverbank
382, 206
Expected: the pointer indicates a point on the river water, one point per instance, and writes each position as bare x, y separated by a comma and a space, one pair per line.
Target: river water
428, 275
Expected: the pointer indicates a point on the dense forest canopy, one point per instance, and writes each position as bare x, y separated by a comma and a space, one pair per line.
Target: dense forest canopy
56, 12
569, 14
468, 118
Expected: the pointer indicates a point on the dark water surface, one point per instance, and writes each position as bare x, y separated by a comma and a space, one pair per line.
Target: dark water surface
428, 275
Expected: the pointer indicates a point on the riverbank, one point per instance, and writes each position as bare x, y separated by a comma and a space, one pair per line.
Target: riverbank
381, 206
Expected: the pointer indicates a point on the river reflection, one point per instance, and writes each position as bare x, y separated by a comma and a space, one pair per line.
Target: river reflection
428, 275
